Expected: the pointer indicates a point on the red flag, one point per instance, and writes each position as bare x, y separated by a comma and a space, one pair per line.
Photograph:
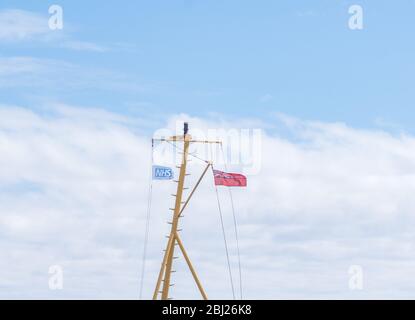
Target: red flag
229, 179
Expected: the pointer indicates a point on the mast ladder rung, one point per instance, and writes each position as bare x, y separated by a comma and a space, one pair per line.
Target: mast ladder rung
173, 236
171, 284
164, 250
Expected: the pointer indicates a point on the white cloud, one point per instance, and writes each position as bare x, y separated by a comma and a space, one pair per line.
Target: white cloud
74, 187
266, 98
18, 25
84, 46
307, 13
52, 74
19, 65
99, 48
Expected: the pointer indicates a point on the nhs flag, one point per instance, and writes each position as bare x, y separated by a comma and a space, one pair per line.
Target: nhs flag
162, 173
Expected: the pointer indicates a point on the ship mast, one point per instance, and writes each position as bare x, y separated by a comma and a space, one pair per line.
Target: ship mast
174, 239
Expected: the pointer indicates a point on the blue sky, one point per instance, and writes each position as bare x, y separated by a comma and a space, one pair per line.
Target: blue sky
240, 58
78, 105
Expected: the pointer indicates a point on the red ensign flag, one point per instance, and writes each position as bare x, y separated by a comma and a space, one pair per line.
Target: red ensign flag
229, 179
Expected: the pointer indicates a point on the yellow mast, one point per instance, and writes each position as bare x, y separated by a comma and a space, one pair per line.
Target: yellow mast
167, 263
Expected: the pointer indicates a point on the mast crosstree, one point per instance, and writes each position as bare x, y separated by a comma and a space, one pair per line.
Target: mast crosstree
164, 279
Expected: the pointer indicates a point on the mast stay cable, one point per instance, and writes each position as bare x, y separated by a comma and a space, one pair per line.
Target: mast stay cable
147, 226
222, 223
235, 224
224, 239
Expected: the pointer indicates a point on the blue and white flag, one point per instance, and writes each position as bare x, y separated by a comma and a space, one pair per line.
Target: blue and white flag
162, 173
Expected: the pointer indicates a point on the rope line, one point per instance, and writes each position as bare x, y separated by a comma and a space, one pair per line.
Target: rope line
224, 239
221, 221
189, 153
147, 228
235, 224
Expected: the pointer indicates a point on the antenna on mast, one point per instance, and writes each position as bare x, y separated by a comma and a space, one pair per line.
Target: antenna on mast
186, 128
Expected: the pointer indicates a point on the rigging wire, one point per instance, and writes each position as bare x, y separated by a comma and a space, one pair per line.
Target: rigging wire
221, 220
189, 153
147, 228
235, 224
224, 238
